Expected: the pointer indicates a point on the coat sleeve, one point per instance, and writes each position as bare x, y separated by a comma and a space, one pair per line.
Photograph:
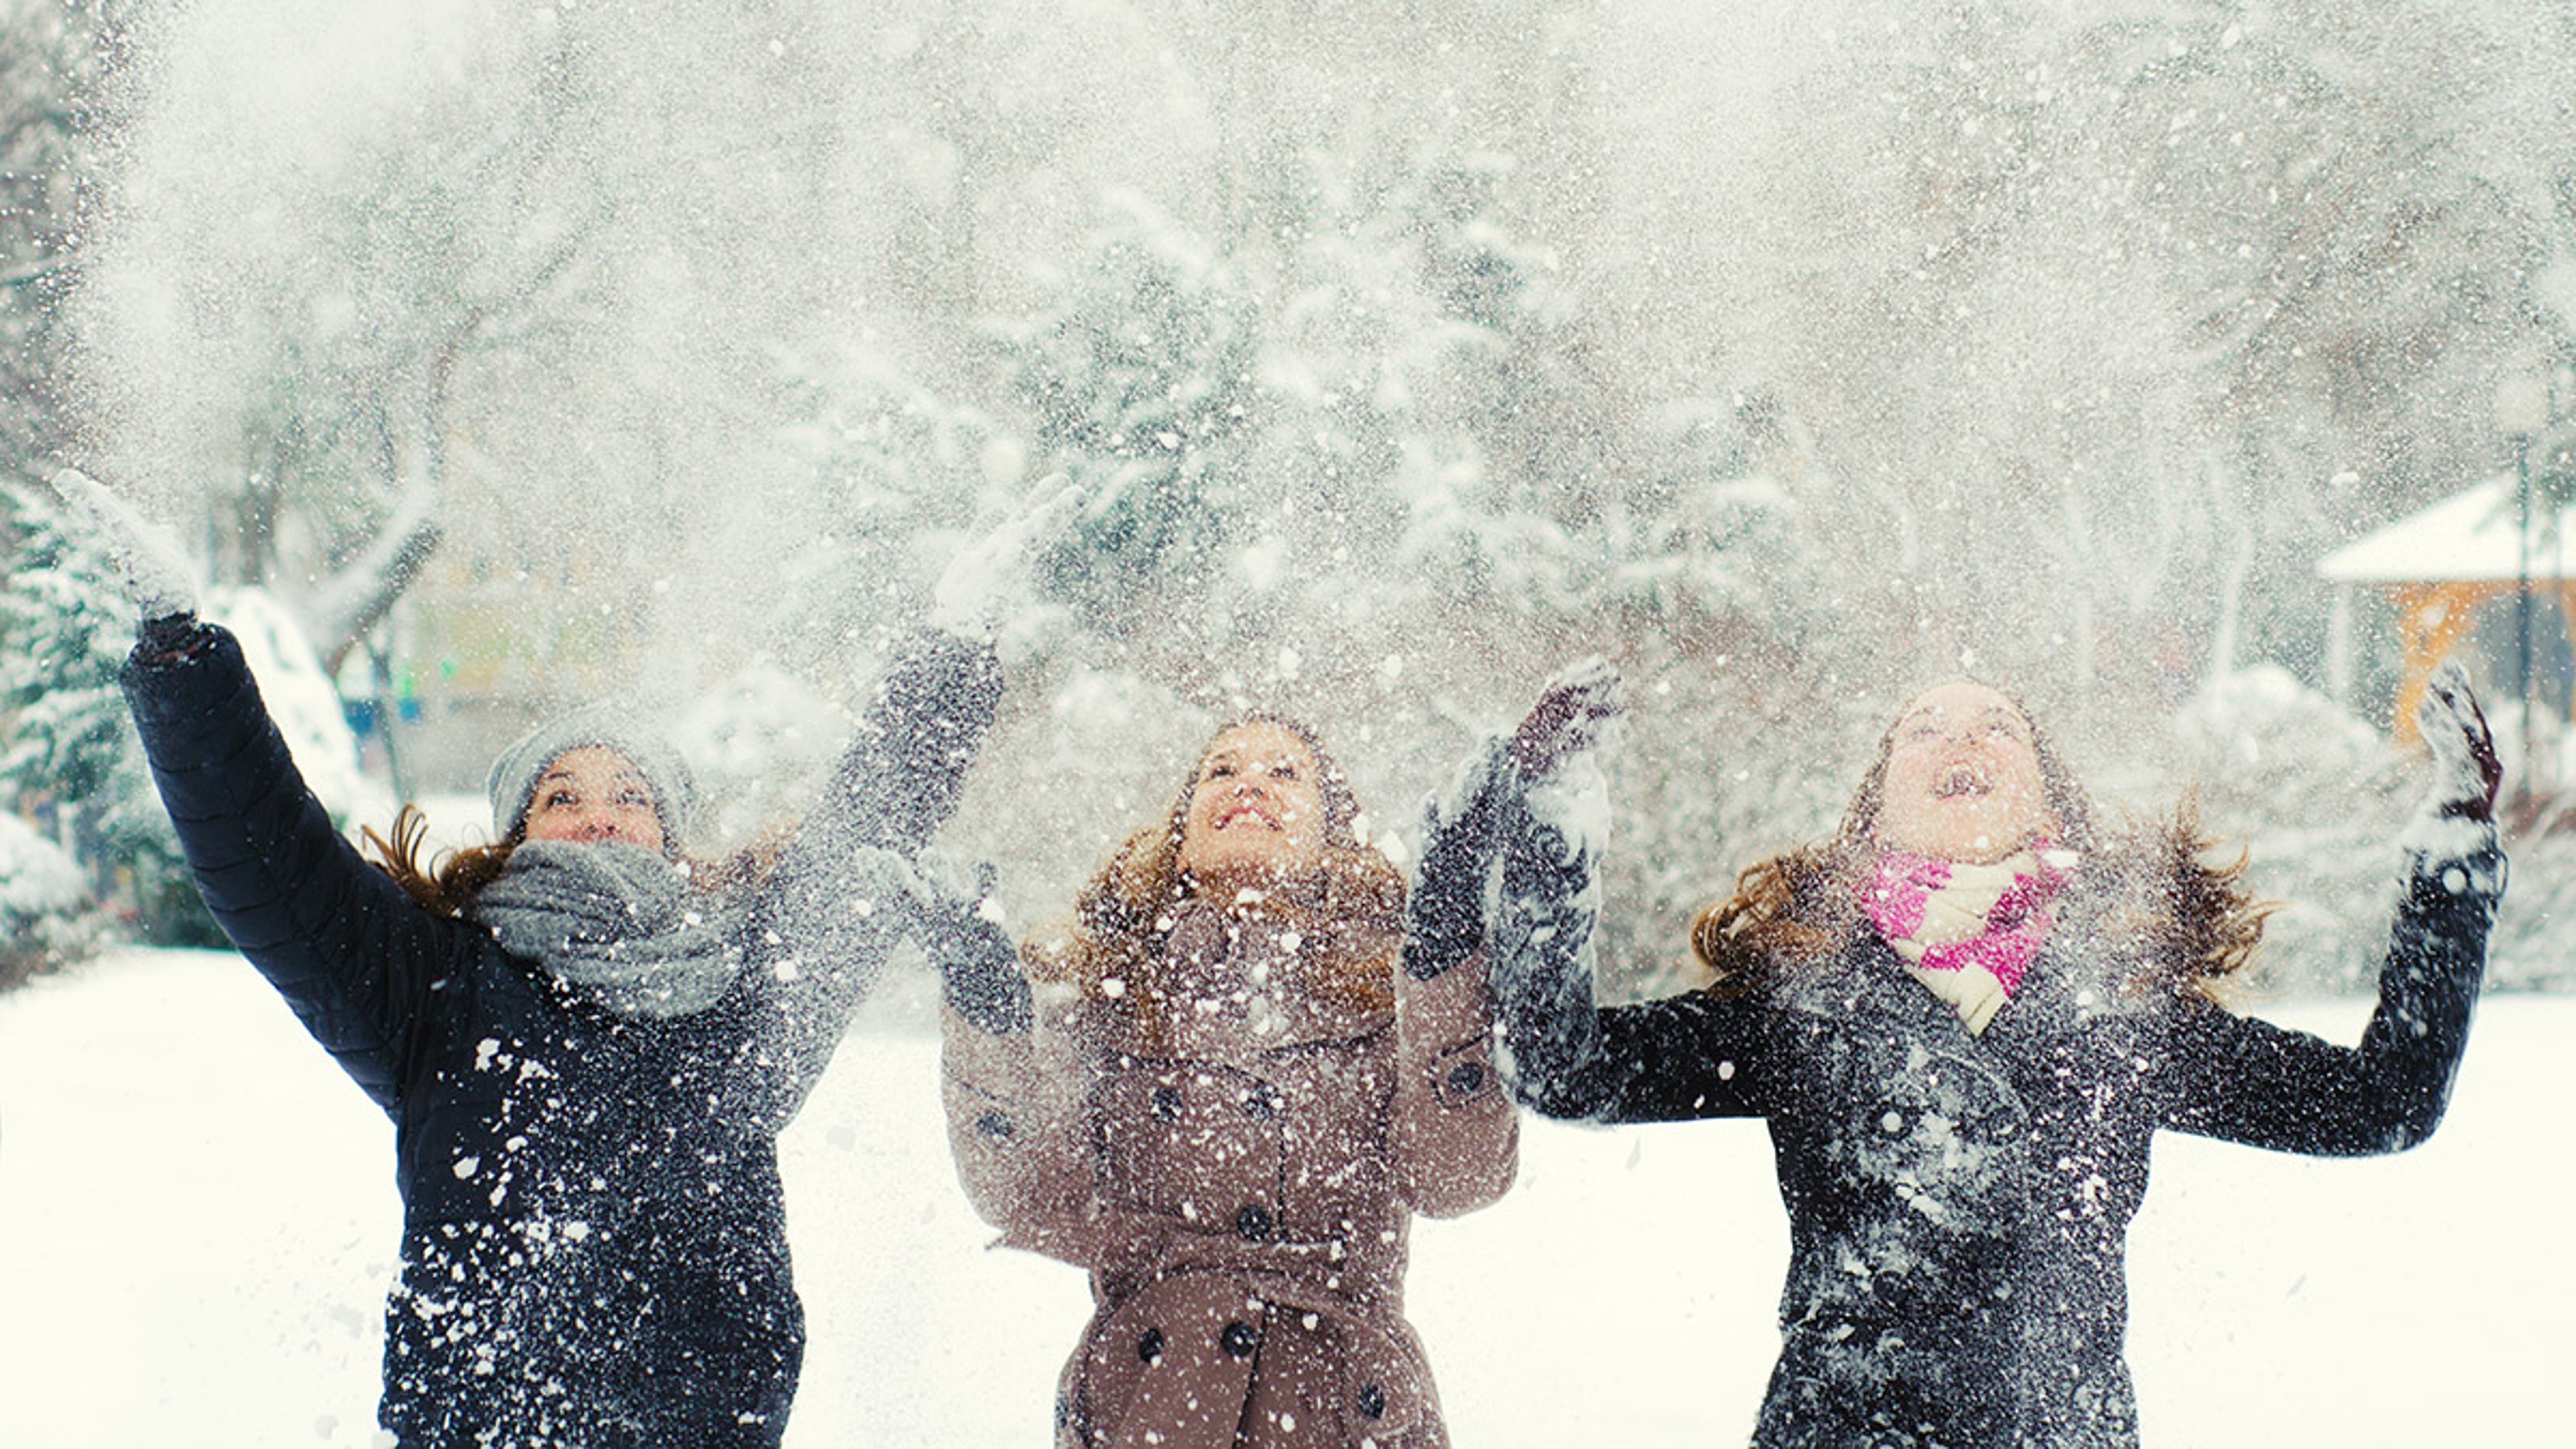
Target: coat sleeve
353, 956
1689, 1056
1019, 1129
834, 907
1676, 1060
1457, 1135
2245, 1080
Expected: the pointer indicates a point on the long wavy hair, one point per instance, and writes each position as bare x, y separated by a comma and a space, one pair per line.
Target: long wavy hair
447, 883
2146, 891
1349, 911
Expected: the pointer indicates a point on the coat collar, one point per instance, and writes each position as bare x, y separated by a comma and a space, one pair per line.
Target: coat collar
1233, 988
1868, 981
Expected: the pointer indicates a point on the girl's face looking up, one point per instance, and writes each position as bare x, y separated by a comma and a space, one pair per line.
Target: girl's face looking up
1963, 779
593, 794
1256, 809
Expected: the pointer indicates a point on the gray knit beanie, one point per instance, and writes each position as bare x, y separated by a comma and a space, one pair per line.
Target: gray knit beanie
609, 726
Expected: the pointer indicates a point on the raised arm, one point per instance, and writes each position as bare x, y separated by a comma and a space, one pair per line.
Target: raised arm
349, 952
1551, 823
1457, 1137
2249, 1081
1014, 1090
1688, 1056
830, 910
835, 906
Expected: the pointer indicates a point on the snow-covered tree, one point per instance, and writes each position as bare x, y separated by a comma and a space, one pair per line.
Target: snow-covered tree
1137, 377
55, 119
71, 758
43, 903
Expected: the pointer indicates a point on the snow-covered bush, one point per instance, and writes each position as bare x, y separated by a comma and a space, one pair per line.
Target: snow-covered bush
760, 746
2317, 796
303, 703
44, 900
2529, 949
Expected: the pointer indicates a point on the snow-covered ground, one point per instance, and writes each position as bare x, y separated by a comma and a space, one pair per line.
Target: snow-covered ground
197, 1221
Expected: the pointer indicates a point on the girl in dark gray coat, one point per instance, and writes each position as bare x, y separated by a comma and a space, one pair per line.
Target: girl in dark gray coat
587, 1046
1964, 1018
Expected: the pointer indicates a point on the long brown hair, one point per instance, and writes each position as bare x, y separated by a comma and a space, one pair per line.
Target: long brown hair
2149, 889
447, 883
1350, 911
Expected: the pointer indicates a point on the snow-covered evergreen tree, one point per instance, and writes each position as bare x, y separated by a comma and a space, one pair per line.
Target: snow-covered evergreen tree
44, 920
1138, 379
72, 759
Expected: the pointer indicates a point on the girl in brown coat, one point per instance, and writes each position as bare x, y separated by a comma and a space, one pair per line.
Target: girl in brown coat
1227, 1095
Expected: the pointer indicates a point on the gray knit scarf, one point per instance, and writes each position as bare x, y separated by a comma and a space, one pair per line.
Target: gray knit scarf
618, 923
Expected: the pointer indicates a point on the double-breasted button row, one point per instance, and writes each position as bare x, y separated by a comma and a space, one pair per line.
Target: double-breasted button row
1238, 1340
1258, 1106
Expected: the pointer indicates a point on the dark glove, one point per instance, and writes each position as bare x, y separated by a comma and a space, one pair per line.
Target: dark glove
2466, 769
1552, 831
1574, 710
1447, 919
2452, 837
928, 714
979, 970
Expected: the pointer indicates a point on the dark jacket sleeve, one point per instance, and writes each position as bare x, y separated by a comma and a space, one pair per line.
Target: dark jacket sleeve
831, 911
352, 954
2245, 1080
1688, 1056
1675, 1060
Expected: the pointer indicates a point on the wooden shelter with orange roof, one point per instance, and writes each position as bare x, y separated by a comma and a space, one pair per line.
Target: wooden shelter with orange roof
2441, 564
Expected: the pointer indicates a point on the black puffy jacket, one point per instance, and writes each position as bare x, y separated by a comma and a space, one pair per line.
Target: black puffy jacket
1959, 1203
594, 1241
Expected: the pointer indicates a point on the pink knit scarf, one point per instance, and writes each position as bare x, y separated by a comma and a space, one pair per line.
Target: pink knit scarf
1967, 931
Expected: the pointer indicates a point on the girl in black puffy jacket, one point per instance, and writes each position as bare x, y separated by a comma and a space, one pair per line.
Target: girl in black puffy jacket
587, 1046
1963, 1019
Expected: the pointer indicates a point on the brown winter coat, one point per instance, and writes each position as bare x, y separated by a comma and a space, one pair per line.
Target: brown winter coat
1240, 1192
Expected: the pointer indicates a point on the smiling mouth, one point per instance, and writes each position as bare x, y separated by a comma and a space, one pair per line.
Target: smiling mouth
1961, 780
1238, 813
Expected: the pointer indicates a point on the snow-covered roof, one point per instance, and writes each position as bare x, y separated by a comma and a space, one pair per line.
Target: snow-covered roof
2468, 536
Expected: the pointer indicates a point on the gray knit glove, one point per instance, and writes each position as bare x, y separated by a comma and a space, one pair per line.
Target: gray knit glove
959, 927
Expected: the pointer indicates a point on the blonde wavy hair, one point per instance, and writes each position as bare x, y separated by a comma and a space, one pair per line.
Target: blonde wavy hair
2147, 890
1350, 910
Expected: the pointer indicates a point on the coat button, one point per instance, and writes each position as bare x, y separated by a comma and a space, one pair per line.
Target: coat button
1372, 1401
1150, 1346
1467, 1079
1237, 1339
1167, 1103
996, 1123
1259, 1107
1253, 1222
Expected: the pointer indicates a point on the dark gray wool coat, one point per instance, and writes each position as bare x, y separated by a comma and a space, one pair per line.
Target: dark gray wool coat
1958, 1203
594, 1243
